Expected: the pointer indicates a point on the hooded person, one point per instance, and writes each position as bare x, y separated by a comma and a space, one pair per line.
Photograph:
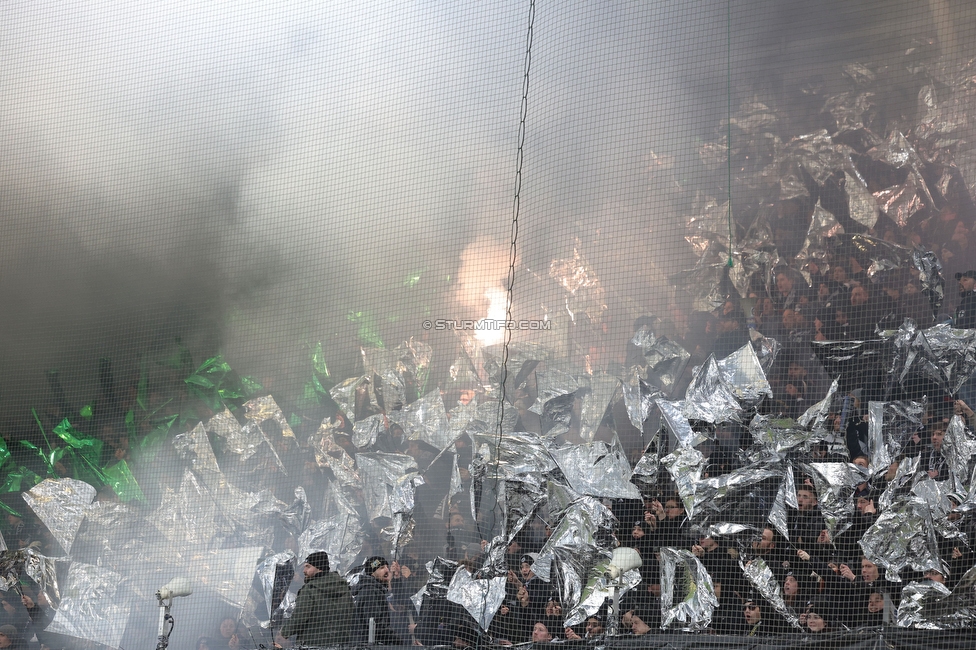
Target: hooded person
370, 596
323, 607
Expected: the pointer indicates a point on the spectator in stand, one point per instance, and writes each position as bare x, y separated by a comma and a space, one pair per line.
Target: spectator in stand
815, 618
371, 601
541, 633
807, 522
934, 462
671, 520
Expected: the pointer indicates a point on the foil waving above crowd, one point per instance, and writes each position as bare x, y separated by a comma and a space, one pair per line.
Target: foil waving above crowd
814, 461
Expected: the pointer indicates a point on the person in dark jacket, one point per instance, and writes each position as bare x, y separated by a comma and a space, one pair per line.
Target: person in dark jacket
323, 608
11, 639
371, 602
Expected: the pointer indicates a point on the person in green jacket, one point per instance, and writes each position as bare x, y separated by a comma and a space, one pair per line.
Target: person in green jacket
324, 607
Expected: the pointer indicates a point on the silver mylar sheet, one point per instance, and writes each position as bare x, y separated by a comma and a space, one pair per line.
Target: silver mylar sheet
235, 439
704, 285
339, 533
296, 517
252, 514
758, 573
742, 372
646, 472
766, 349
227, 572
596, 400
861, 203
823, 225
481, 598
597, 590
775, 437
958, 448
194, 446
664, 359
785, 497
344, 394
514, 453
742, 496
366, 432
261, 409
683, 573
402, 504
274, 573
554, 382
920, 606
835, 484
440, 572
60, 504
522, 496
709, 397
685, 465
597, 469
578, 543
899, 538
95, 606
425, 419
890, 426
329, 454
813, 418
930, 276
677, 424
638, 398
946, 355
380, 472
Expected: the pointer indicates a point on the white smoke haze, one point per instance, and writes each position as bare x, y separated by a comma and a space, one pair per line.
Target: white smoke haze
253, 177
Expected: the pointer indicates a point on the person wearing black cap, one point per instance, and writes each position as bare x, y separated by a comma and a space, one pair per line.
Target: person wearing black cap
371, 602
11, 639
965, 317
537, 590
323, 607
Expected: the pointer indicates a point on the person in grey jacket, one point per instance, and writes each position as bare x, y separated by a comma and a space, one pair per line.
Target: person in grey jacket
324, 607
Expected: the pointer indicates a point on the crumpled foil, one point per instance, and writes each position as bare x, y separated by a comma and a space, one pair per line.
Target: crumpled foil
344, 394
835, 484
743, 496
742, 372
596, 469
597, 590
890, 426
237, 440
61, 504
814, 418
253, 515
638, 397
930, 277
514, 453
903, 535
440, 572
696, 600
823, 225
677, 424
925, 605
758, 573
380, 472
339, 533
901, 202
709, 397
646, 473
95, 606
576, 276
555, 382
578, 543
766, 349
481, 598
595, 403
958, 448
296, 517
785, 497
426, 420
704, 284
275, 574
329, 454
39, 568
366, 431
685, 465
400, 532
851, 362
920, 606
945, 355
194, 446
228, 573
522, 495
262, 409
664, 359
